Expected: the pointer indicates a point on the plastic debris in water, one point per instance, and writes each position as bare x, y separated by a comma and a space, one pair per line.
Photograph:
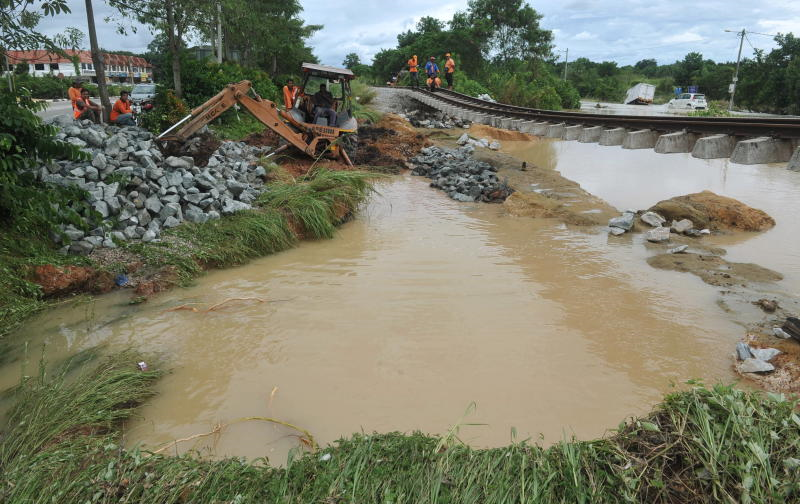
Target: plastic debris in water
142, 366
121, 280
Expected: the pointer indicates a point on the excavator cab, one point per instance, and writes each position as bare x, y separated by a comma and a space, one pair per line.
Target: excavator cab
337, 81
296, 126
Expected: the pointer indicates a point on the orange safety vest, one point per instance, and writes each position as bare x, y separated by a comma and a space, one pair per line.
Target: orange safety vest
289, 95
413, 66
120, 108
79, 111
74, 95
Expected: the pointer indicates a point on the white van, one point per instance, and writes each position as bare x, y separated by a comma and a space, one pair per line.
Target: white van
692, 101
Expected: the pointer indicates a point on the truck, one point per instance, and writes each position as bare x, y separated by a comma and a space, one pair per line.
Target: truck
640, 94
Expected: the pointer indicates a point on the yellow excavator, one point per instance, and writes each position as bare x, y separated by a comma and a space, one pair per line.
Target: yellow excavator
295, 126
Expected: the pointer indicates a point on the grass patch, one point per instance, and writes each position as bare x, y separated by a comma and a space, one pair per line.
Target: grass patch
20, 298
719, 444
233, 126
320, 201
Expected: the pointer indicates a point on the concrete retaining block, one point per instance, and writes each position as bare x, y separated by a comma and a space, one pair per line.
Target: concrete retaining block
516, 124
540, 129
762, 150
527, 126
505, 122
680, 141
591, 134
642, 139
714, 147
614, 136
794, 163
497, 121
555, 131
572, 132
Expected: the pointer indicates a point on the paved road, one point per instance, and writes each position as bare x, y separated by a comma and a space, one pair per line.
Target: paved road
63, 107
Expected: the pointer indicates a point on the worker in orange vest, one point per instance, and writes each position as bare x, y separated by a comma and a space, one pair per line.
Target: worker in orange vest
449, 70
121, 112
74, 93
413, 69
289, 94
86, 108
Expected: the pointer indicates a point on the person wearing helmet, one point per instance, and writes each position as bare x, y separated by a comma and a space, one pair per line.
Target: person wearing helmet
432, 71
449, 70
413, 69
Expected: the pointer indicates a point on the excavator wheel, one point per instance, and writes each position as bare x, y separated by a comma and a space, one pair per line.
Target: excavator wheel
349, 143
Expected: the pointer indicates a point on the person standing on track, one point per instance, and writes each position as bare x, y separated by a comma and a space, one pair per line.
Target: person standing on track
413, 69
449, 70
432, 71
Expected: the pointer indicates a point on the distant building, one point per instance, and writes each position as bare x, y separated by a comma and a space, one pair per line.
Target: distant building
119, 67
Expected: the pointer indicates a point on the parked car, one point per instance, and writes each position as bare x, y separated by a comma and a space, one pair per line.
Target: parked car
143, 93
692, 101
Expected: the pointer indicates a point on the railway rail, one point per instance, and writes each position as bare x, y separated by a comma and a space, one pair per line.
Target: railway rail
746, 140
735, 126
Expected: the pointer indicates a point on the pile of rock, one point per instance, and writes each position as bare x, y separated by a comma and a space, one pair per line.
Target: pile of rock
433, 120
660, 232
480, 142
755, 360
133, 191
459, 175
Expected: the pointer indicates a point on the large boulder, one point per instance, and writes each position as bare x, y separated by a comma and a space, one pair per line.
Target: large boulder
709, 210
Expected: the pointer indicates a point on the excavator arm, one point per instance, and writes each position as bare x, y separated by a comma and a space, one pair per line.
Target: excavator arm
306, 139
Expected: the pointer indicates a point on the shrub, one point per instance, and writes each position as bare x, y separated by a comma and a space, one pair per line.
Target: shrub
167, 110
203, 79
46, 87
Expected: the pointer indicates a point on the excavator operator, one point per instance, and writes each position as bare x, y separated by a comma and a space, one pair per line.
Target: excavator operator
324, 105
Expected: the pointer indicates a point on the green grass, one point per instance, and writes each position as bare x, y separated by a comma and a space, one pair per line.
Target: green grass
721, 444
321, 201
231, 127
20, 298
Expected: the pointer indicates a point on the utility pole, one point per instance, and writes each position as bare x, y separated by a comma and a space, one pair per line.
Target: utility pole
97, 59
219, 32
566, 62
741, 35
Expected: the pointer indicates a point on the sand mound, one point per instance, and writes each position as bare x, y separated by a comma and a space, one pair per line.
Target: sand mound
709, 210
714, 270
483, 131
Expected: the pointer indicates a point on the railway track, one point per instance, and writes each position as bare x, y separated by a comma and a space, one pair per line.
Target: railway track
745, 140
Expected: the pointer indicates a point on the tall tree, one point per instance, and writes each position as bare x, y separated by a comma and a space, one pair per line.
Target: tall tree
511, 28
97, 60
351, 60
175, 18
267, 34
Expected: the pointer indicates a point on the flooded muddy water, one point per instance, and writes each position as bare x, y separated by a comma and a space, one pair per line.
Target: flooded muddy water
418, 308
640, 178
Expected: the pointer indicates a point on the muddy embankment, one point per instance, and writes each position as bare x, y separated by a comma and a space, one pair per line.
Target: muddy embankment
748, 292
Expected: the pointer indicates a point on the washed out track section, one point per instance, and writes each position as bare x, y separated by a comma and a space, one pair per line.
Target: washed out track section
743, 140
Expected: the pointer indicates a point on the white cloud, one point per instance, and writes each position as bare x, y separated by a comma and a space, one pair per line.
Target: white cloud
780, 25
682, 38
625, 31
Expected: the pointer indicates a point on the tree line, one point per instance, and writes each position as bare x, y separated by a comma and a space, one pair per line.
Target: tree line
501, 49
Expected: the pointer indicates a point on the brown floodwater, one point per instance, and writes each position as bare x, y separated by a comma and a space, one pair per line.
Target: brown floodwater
417, 309
640, 178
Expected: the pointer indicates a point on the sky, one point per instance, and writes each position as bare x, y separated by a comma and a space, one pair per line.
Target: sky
624, 31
